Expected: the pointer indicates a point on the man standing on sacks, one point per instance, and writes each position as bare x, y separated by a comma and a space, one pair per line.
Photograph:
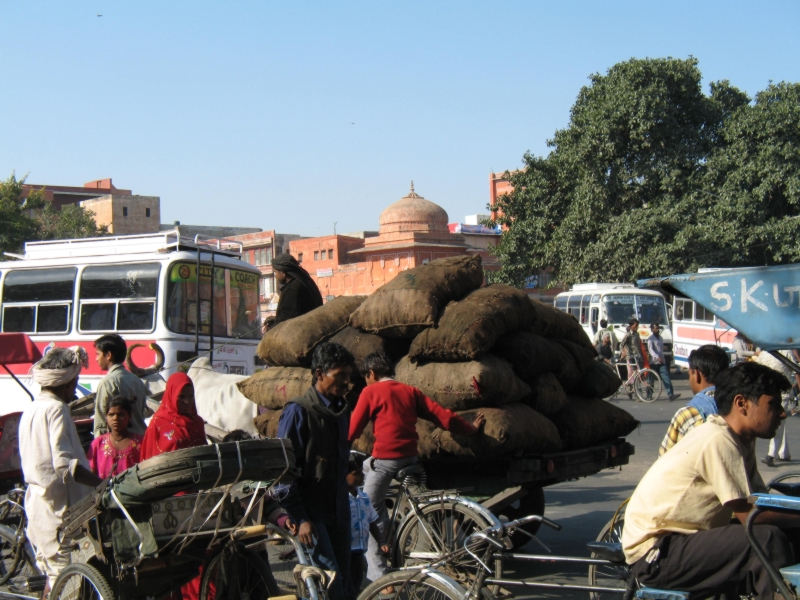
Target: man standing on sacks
317, 502
53, 462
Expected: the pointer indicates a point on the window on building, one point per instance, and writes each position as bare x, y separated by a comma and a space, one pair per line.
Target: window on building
316, 255
300, 257
267, 286
146, 212
330, 254
324, 254
268, 260
38, 301
124, 211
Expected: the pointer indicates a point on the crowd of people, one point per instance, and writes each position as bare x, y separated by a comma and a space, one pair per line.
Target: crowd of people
678, 532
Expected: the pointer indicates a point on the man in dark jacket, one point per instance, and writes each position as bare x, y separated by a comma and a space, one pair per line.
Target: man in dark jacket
299, 293
317, 423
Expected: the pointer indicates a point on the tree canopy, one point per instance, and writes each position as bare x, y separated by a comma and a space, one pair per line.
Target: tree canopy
652, 177
34, 218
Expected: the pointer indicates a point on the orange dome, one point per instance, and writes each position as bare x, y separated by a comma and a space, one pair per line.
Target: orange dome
414, 213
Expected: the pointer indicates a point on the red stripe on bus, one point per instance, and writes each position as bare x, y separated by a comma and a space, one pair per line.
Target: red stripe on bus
707, 335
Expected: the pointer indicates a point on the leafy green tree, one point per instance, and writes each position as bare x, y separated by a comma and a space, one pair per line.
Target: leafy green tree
650, 177
71, 221
16, 224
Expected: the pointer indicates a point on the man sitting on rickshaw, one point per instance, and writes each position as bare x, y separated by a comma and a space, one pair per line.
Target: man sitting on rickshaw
678, 533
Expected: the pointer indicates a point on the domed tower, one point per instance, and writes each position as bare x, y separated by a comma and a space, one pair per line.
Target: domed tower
413, 219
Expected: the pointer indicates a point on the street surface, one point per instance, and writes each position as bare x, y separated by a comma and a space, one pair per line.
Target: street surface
583, 507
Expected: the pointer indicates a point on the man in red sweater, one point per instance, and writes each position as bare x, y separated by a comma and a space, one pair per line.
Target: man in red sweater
394, 408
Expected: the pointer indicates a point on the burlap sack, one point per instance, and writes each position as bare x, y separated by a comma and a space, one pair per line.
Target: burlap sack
556, 324
508, 430
469, 328
598, 381
548, 396
291, 343
590, 421
362, 344
411, 301
583, 356
529, 354
489, 381
267, 423
567, 373
273, 387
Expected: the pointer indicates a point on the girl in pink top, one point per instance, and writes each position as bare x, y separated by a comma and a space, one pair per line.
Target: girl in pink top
119, 449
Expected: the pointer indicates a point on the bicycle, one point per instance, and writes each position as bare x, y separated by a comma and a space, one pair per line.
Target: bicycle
18, 568
645, 383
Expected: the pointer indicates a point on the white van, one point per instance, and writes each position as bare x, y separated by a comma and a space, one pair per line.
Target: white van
617, 303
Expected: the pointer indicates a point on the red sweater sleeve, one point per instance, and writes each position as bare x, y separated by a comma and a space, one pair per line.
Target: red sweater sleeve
442, 417
360, 416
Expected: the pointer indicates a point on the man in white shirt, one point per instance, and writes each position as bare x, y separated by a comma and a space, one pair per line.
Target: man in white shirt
53, 461
678, 533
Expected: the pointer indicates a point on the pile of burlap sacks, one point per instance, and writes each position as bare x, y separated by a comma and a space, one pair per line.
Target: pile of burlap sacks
529, 368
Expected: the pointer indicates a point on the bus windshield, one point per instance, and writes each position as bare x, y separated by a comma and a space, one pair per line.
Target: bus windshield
621, 308
234, 305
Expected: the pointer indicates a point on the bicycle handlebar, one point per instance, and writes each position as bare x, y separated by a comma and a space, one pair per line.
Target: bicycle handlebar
487, 534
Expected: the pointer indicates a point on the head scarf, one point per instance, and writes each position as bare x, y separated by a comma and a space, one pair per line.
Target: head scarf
288, 264
170, 430
49, 378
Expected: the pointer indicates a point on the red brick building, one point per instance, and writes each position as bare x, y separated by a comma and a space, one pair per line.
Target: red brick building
413, 231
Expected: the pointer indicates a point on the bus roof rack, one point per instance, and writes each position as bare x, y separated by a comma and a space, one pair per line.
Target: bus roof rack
580, 287
146, 243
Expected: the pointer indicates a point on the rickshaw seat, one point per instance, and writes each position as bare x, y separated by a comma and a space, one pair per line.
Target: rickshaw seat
775, 501
788, 488
654, 594
608, 550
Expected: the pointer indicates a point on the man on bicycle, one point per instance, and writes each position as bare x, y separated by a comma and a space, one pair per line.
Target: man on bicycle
678, 533
632, 348
705, 365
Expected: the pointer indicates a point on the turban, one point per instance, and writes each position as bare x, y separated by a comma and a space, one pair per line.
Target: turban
75, 358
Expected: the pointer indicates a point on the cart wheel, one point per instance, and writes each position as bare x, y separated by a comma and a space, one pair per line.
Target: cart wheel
610, 576
647, 385
237, 572
81, 582
532, 504
412, 585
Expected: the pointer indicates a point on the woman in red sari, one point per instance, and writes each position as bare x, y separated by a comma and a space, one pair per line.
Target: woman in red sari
176, 424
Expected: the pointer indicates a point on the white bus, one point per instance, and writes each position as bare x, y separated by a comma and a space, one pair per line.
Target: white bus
617, 303
143, 287
694, 326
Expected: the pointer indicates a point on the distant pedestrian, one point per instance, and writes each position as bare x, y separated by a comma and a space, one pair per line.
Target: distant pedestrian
779, 445
743, 347
632, 349
655, 350
299, 293
605, 352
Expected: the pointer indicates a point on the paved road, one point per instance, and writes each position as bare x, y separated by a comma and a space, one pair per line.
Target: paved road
583, 507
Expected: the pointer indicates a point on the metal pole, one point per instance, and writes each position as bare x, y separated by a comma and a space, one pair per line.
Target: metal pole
211, 330
14, 377
197, 307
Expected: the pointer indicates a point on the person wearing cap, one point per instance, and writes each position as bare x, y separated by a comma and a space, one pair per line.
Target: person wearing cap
53, 462
299, 293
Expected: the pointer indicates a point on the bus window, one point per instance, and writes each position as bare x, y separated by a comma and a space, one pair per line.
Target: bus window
236, 308
574, 307
652, 309
561, 303
647, 309
701, 314
684, 310
585, 309
619, 308
38, 300
118, 297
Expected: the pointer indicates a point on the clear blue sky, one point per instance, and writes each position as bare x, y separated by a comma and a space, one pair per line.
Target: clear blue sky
294, 115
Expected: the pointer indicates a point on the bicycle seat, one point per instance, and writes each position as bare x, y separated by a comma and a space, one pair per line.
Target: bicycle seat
608, 550
409, 472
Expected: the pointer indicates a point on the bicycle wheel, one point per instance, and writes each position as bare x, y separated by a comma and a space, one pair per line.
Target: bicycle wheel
236, 572
447, 525
413, 586
613, 576
81, 582
647, 385
17, 562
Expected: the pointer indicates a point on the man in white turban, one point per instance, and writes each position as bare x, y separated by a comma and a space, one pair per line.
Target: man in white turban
53, 461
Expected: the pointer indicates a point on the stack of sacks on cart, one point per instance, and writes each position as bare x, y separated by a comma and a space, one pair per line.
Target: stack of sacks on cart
529, 368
